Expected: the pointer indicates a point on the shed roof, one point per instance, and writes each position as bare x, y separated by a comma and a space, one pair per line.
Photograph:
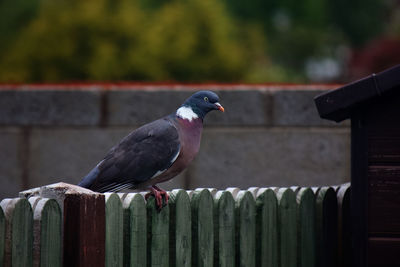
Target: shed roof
338, 104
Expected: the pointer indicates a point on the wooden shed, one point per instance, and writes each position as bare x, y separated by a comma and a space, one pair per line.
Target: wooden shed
373, 106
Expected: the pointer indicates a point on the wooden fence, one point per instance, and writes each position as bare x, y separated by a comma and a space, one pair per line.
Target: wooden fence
284, 227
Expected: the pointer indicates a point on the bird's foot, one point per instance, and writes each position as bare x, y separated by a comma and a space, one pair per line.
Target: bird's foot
163, 193
159, 194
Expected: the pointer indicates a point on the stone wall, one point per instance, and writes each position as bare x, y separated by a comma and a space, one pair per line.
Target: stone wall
268, 136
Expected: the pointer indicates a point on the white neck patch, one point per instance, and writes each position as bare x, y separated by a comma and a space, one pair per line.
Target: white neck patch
186, 113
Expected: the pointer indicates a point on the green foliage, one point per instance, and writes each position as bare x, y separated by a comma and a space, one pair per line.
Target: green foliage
120, 40
14, 14
359, 20
178, 40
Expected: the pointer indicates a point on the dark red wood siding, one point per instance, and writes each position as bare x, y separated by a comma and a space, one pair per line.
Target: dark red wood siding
383, 180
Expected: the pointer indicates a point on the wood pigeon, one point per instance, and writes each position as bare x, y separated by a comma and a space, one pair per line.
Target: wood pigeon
155, 152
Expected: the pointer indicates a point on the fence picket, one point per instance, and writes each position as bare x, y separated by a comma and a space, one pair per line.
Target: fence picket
306, 227
158, 227
180, 229
344, 227
2, 235
253, 191
48, 223
135, 230
233, 190
224, 229
326, 227
246, 218
202, 229
19, 232
114, 231
212, 190
287, 222
267, 228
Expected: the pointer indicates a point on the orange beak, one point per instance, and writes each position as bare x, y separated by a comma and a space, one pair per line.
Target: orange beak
221, 108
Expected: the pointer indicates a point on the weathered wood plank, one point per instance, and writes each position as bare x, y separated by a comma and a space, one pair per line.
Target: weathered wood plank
2, 235
383, 200
19, 232
158, 227
384, 131
383, 251
246, 225
359, 182
202, 229
84, 229
287, 214
326, 227
135, 230
180, 229
306, 227
224, 229
114, 231
48, 223
267, 228
383, 148
344, 226
83, 223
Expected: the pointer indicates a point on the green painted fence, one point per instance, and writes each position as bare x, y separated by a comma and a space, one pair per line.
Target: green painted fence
30, 232
281, 227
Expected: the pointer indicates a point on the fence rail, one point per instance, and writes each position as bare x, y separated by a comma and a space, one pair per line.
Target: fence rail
205, 227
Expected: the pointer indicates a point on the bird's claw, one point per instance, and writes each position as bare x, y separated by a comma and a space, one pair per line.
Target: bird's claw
159, 196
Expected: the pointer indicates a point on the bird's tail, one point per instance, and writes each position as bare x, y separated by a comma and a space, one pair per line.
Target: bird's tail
89, 179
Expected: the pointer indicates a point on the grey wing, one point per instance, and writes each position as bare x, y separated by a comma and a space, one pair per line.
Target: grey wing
138, 157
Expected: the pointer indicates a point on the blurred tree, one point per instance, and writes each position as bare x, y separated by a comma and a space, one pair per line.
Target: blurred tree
359, 20
14, 15
311, 29
119, 40
180, 40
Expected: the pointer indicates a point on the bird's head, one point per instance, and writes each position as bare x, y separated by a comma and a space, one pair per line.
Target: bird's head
199, 104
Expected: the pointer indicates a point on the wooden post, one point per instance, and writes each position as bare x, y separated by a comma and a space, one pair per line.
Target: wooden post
359, 181
83, 226
84, 230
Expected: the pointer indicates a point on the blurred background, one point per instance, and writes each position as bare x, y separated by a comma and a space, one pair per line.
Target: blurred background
62, 106
253, 41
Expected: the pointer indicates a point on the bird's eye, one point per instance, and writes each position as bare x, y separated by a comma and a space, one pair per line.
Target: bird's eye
206, 99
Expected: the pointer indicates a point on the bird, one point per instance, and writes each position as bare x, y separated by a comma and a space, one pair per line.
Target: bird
155, 152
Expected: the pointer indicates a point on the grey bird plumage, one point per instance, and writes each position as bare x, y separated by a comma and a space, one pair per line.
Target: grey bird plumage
155, 152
